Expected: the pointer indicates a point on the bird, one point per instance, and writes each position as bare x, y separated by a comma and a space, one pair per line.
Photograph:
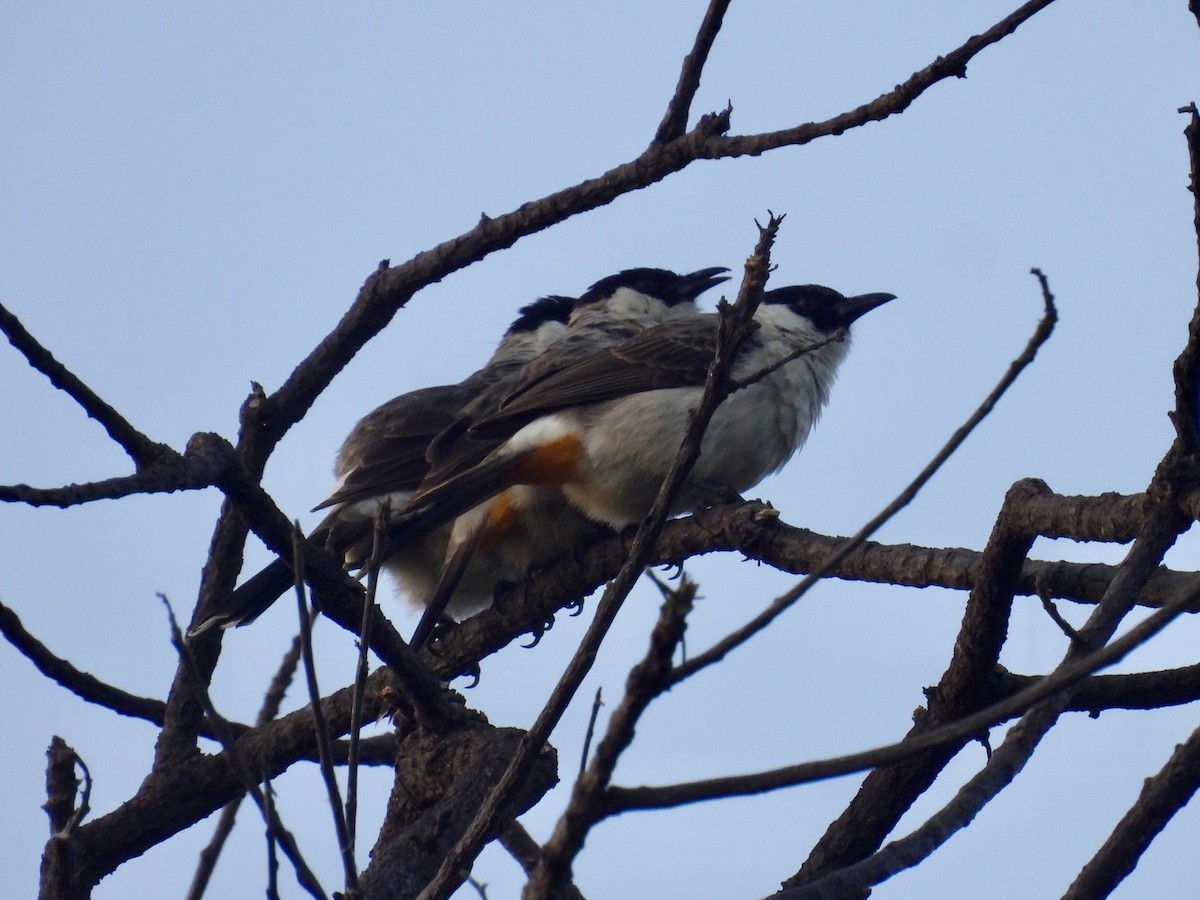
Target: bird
383, 457
449, 561
605, 429
611, 310
524, 524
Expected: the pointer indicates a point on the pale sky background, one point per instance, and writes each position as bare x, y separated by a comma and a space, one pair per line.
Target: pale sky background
192, 196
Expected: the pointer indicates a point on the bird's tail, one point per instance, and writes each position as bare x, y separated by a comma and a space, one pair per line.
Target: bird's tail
251, 599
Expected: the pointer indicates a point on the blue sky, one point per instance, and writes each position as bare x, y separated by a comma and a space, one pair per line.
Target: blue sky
193, 198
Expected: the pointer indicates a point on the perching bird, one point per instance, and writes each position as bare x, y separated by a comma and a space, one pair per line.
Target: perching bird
606, 429
384, 457
528, 523
612, 310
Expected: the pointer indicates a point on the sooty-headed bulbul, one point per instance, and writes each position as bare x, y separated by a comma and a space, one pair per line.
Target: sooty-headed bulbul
604, 429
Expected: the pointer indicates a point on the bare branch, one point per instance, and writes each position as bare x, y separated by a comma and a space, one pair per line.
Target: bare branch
93, 690
674, 123
743, 528
333, 794
1139, 690
170, 800
87, 687
339, 597
952, 65
442, 778
754, 377
623, 799
1157, 535
269, 710
59, 875
648, 679
1162, 796
140, 448
888, 792
361, 672
525, 850
244, 774
591, 730
207, 456
1186, 415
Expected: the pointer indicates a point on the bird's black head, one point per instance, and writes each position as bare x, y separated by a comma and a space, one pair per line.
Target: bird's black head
534, 315
662, 284
824, 307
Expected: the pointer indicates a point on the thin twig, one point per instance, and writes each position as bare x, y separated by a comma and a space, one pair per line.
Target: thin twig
272, 842
624, 799
591, 730
586, 807
324, 747
674, 123
241, 769
272, 700
360, 675
140, 448
1055, 616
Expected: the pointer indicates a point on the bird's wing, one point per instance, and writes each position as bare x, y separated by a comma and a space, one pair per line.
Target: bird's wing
386, 451
674, 354
454, 447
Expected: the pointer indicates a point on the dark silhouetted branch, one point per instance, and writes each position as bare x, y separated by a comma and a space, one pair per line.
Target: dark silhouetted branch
1162, 796
674, 123
647, 680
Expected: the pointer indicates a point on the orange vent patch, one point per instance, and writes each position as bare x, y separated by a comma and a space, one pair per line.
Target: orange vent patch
502, 516
553, 463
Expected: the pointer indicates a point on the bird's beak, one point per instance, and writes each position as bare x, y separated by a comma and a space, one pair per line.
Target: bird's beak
855, 307
694, 284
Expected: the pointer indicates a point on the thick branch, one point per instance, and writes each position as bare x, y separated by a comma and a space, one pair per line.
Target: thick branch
441, 780
743, 528
887, 793
1162, 796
